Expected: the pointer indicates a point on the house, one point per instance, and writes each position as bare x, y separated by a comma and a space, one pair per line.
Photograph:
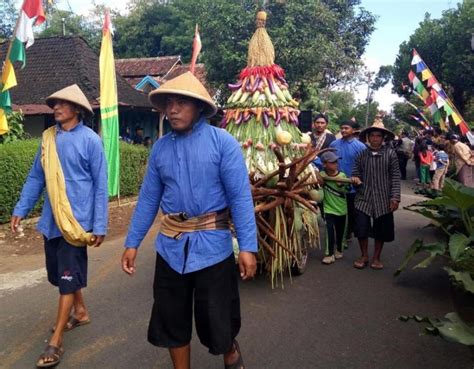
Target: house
56, 62
147, 74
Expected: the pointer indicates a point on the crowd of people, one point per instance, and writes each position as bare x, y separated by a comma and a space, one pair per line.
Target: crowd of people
375, 161
436, 155
198, 178
137, 139
364, 205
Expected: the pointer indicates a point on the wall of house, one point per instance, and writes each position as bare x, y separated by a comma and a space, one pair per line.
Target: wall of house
34, 125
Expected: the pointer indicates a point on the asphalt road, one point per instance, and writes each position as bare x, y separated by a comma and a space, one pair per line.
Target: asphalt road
331, 317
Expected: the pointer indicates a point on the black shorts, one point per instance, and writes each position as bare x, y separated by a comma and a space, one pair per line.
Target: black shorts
66, 265
382, 229
216, 306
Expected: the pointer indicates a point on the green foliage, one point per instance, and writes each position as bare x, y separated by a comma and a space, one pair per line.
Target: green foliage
382, 78
15, 162
360, 112
452, 328
316, 42
17, 157
453, 213
133, 160
445, 46
8, 15
15, 124
78, 25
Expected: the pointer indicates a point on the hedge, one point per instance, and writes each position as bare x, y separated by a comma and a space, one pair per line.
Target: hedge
16, 159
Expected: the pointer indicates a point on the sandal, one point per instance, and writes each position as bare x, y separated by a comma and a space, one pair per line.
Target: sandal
377, 265
239, 364
360, 263
50, 357
72, 323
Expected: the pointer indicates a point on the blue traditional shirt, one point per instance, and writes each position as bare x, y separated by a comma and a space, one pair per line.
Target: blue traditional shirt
84, 166
197, 172
348, 151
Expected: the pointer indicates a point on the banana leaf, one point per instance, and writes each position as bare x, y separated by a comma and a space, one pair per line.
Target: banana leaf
463, 278
453, 328
434, 249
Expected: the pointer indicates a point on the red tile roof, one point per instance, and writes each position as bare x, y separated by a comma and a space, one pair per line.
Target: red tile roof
141, 67
53, 63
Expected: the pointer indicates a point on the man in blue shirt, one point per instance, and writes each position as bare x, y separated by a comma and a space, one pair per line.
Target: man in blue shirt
347, 148
82, 161
196, 175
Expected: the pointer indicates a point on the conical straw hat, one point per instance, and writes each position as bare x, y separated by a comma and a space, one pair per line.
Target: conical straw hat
186, 85
376, 126
72, 94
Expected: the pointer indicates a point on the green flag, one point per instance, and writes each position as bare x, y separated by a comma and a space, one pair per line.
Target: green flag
109, 108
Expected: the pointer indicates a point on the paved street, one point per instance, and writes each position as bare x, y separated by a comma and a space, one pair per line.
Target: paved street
331, 317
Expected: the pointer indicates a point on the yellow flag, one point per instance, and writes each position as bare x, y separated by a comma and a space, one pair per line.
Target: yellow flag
457, 119
3, 122
109, 114
8, 76
426, 74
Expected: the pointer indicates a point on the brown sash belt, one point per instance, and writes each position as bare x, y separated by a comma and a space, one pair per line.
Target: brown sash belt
174, 225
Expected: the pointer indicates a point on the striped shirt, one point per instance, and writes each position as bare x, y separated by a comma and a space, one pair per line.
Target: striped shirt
380, 175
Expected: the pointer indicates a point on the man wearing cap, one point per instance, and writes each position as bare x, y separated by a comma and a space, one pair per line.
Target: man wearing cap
70, 165
347, 148
197, 176
377, 174
464, 160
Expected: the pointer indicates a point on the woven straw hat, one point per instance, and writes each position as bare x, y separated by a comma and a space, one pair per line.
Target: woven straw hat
376, 126
186, 85
72, 94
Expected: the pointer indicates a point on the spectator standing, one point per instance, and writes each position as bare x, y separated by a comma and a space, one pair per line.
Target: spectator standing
442, 165
426, 159
404, 149
147, 142
464, 161
138, 138
347, 148
416, 156
377, 174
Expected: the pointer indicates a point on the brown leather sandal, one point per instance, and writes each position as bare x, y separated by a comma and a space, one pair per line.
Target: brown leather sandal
50, 357
239, 364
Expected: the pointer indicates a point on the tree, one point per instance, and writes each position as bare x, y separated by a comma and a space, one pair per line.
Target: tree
8, 15
317, 42
359, 112
444, 45
62, 22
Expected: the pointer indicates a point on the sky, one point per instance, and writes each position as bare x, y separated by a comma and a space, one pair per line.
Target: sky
397, 20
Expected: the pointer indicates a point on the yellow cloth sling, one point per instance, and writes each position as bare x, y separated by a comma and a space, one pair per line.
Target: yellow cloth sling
70, 228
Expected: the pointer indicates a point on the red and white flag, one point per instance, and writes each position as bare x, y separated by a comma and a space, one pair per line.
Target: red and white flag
196, 49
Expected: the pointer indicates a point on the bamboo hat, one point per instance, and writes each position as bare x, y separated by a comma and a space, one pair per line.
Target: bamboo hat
72, 94
376, 126
186, 85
